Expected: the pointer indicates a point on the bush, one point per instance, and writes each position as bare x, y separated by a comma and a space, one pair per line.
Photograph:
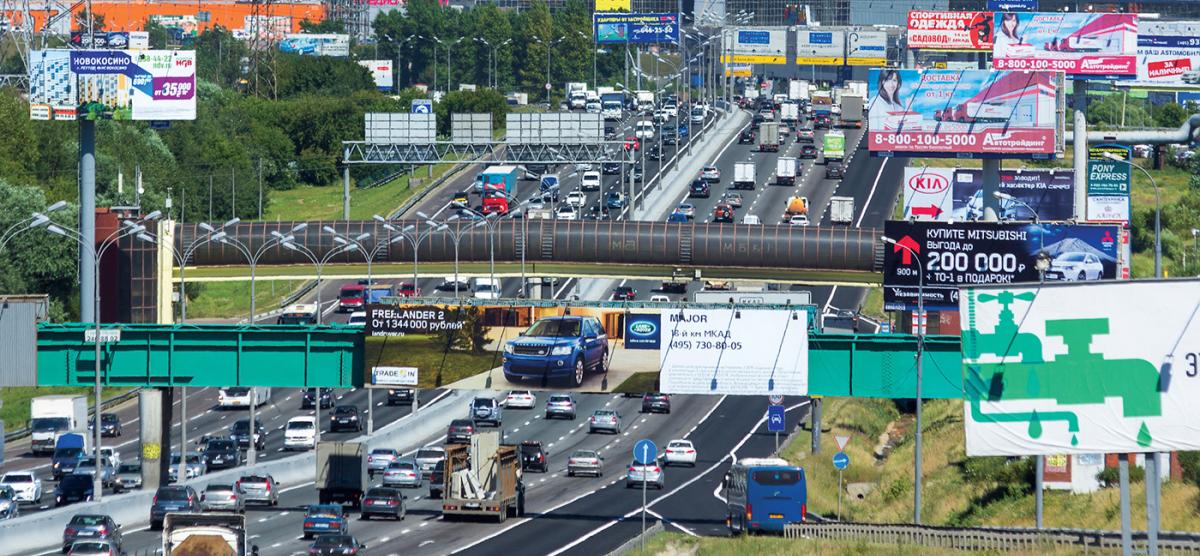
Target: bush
1189, 464
1014, 475
1110, 476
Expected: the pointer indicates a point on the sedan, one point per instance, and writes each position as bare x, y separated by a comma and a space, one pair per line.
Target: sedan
710, 173
380, 458
656, 403
402, 473
560, 405
585, 462
615, 200
194, 467
798, 220
520, 399
805, 134
732, 199
26, 486
225, 498
624, 293
129, 476
808, 151
686, 209
652, 475
576, 199
335, 544
261, 489
310, 396
222, 453
605, 420
325, 518
681, 452
566, 212
93, 548
382, 501
430, 458
9, 508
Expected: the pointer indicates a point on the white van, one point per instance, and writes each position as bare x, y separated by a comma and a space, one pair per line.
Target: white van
230, 398
751, 219
487, 288
300, 433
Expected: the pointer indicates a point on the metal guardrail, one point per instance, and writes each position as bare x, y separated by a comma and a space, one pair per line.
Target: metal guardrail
989, 538
18, 433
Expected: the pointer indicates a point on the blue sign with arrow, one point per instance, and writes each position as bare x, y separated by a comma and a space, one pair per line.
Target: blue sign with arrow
645, 452
776, 418
841, 460
422, 106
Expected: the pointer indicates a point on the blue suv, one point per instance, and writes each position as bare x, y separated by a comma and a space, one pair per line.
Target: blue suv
557, 348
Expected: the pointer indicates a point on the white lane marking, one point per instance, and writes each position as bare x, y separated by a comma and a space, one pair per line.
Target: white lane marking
874, 185
426, 543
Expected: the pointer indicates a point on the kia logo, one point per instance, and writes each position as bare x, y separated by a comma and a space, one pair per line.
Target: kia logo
928, 183
643, 328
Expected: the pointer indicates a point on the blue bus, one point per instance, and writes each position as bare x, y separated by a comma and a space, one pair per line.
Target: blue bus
764, 494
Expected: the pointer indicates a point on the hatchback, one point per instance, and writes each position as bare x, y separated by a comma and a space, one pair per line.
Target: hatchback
710, 174
652, 475
605, 420
335, 544
73, 488
383, 501
560, 405
656, 403
90, 527
259, 489
221, 498
460, 431
170, 499
686, 209
402, 473
699, 188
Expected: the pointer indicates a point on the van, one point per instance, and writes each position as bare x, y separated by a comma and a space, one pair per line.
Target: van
751, 219
487, 288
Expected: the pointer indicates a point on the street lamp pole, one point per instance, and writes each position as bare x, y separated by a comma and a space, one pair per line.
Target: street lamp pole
920, 355
1157, 212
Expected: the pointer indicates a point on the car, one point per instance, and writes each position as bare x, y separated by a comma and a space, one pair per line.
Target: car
9, 507
259, 489
72, 488
805, 134
172, 498
834, 170
64, 460
223, 453
335, 544
91, 528
669, 136
654, 152
300, 433
429, 458
680, 452
240, 432
699, 188
560, 405
110, 425
1075, 266
93, 548
453, 283
592, 108
520, 399
605, 420
534, 456
325, 518
561, 347
194, 466
723, 213
678, 217
808, 151
221, 498
585, 462
576, 199
655, 402
732, 199
357, 318
566, 212
485, 410
748, 135
408, 289
590, 181
437, 479
651, 475
784, 130
128, 477
27, 487
403, 472
380, 458
751, 219
624, 293
460, 431
88, 467
644, 129
383, 502
660, 298
687, 209
636, 174
398, 396
718, 285
632, 144
661, 116
821, 121
310, 396
683, 130
615, 200
345, 417
798, 220
610, 168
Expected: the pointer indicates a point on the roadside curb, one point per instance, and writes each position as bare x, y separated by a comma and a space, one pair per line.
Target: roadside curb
635, 544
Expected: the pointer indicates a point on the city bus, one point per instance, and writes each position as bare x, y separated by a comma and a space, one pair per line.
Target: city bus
764, 494
300, 313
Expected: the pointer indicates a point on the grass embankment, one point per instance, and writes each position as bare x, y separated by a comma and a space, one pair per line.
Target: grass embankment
430, 357
957, 490
325, 203
678, 544
638, 383
232, 299
15, 410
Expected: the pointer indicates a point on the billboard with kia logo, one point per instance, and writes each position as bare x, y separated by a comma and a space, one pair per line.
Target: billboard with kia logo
947, 194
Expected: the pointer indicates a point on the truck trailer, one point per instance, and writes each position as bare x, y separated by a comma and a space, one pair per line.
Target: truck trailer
785, 170
206, 534
341, 473
743, 175
483, 479
53, 416
768, 137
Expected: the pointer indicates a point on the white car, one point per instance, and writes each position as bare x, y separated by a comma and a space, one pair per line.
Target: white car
27, 486
233, 397
300, 433
661, 116
567, 212
576, 199
358, 318
520, 399
590, 181
710, 173
660, 298
798, 220
592, 108
114, 457
487, 288
1072, 266
644, 130
680, 452
672, 110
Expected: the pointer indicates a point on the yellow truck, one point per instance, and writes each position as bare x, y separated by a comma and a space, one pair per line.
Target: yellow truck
796, 204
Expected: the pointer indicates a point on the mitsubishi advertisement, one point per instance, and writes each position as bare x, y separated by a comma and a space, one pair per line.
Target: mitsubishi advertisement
1083, 45
950, 31
963, 113
947, 194
755, 45
1168, 55
950, 255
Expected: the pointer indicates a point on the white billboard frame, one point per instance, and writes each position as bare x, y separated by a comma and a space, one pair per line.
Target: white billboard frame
400, 128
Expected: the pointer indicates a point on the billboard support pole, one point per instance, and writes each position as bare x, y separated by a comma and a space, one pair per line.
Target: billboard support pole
1038, 478
87, 221
346, 189
991, 186
1152, 492
1126, 530
816, 426
1080, 150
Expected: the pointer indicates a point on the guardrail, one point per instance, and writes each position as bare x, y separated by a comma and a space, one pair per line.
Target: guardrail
989, 538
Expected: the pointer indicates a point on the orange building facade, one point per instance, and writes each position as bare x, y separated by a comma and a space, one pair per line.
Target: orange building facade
199, 16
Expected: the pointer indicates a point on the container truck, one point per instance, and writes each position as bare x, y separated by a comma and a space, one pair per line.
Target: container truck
51, 417
645, 101
743, 175
789, 112
841, 210
822, 103
834, 146
341, 473
502, 178
852, 111
206, 534
796, 204
797, 89
785, 170
768, 137
483, 478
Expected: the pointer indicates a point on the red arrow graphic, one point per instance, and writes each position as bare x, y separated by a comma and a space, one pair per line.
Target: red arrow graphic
906, 254
932, 211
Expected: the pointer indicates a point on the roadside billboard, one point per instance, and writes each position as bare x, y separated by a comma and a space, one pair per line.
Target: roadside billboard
713, 349
952, 31
966, 113
381, 73
625, 28
1013, 5
1083, 45
759, 45
964, 253
112, 84
946, 194
1168, 55
820, 48
866, 48
1081, 368
1108, 184
614, 5
328, 44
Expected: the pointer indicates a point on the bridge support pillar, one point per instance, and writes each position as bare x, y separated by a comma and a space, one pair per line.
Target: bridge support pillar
150, 421
991, 185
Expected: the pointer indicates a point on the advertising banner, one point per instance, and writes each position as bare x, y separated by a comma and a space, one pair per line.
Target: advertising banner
958, 254
614, 5
759, 45
100, 40
1082, 368
316, 45
1108, 184
1083, 45
139, 40
381, 73
112, 84
820, 48
593, 348
947, 194
613, 28
866, 48
955, 31
1168, 55
966, 113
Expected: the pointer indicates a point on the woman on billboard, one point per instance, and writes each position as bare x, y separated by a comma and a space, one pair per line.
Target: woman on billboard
1007, 35
886, 103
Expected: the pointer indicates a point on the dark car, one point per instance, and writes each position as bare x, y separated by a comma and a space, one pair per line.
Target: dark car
240, 433
670, 136
460, 431
834, 170
636, 174
90, 527
310, 396
758, 118
615, 200
222, 453
610, 168
174, 498
808, 151
821, 121
66, 456
699, 188
654, 152
335, 544
399, 395
437, 479
110, 425
624, 293
73, 488
563, 347
534, 456
747, 137
655, 402
381, 501
345, 417
325, 518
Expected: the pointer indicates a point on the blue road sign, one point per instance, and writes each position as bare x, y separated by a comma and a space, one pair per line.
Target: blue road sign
422, 106
776, 418
841, 460
645, 452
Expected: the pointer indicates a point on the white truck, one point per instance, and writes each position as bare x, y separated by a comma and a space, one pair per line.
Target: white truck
53, 416
785, 170
645, 101
743, 175
841, 210
789, 112
798, 89
206, 534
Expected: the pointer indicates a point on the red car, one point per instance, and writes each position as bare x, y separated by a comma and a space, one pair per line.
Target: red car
624, 293
632, 144
409, 289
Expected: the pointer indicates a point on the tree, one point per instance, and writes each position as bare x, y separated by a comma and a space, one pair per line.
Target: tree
482, 101
324, 26
533, 23
473, 334
1170, 114
35, 261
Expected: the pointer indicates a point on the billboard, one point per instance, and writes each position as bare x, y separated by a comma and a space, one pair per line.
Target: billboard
820, 48
614, 5
1013, 5
971, 113
381, 73
1108, 184
502, 345
613, 28
866, 48
1081, 368
960, 31
1083, 45
305, 44
758, 45
946, 194
112, 84
964, 253
1168, 55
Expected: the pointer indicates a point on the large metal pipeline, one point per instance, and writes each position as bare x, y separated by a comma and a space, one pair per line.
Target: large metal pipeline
596, 242
1187, 133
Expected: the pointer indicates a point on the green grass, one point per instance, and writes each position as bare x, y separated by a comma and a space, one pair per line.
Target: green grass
429, 357
672, 544
873, 305
325, 203
638, 383
232, 299
15, 410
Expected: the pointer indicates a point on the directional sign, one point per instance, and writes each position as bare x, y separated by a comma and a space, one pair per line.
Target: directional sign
775, 418
645, 452
422, 106
775, 399
841, 460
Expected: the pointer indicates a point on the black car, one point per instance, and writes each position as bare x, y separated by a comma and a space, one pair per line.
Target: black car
73, 488
170, 499
310, 396
400, 395
110, 425
808, 151
747, 136
670, 136
222, 453
655, 402
345, 417
636, 174
335, 544
757, 118
610, 168
460, 431
834, 170
383, 501
240, 433
534, 456
699, 188
624, 293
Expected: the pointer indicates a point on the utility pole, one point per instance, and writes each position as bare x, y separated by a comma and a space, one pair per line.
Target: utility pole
233, 192
260, 191
210, 204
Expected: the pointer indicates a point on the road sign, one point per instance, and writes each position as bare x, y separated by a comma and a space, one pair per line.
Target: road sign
422, 106
645, 452
841, 460
775, 418
841, 442
548, 87
775, 399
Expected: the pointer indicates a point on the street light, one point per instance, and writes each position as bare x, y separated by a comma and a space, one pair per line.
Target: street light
456, 234
492, 59
1157, 212
34, 221
1006, 197
920, 354
449, 67
549, 46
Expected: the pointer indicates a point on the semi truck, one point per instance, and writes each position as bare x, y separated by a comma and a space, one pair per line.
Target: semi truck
53, 416
768, 137
785, 170
852, 111
743, 175
483, 478
206, 534
841, 210
341, 473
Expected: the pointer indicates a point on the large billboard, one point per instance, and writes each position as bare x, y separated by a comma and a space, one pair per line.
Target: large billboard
1168, 55
1108, 183
381, 73
1081, 368
947, 194
614, 28
329, 44
1083, 45
112, 84
820, 47
955, 31
756, 46
866, 48
957, 254
972, 113
716, 349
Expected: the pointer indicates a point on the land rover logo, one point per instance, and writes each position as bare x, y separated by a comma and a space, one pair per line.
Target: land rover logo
643, 328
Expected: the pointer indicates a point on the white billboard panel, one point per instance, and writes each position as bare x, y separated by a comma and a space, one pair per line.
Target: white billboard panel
756, 45
554, 128
866, 48
381, 73
734, 351
1168, 55
820, 48
400, 128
